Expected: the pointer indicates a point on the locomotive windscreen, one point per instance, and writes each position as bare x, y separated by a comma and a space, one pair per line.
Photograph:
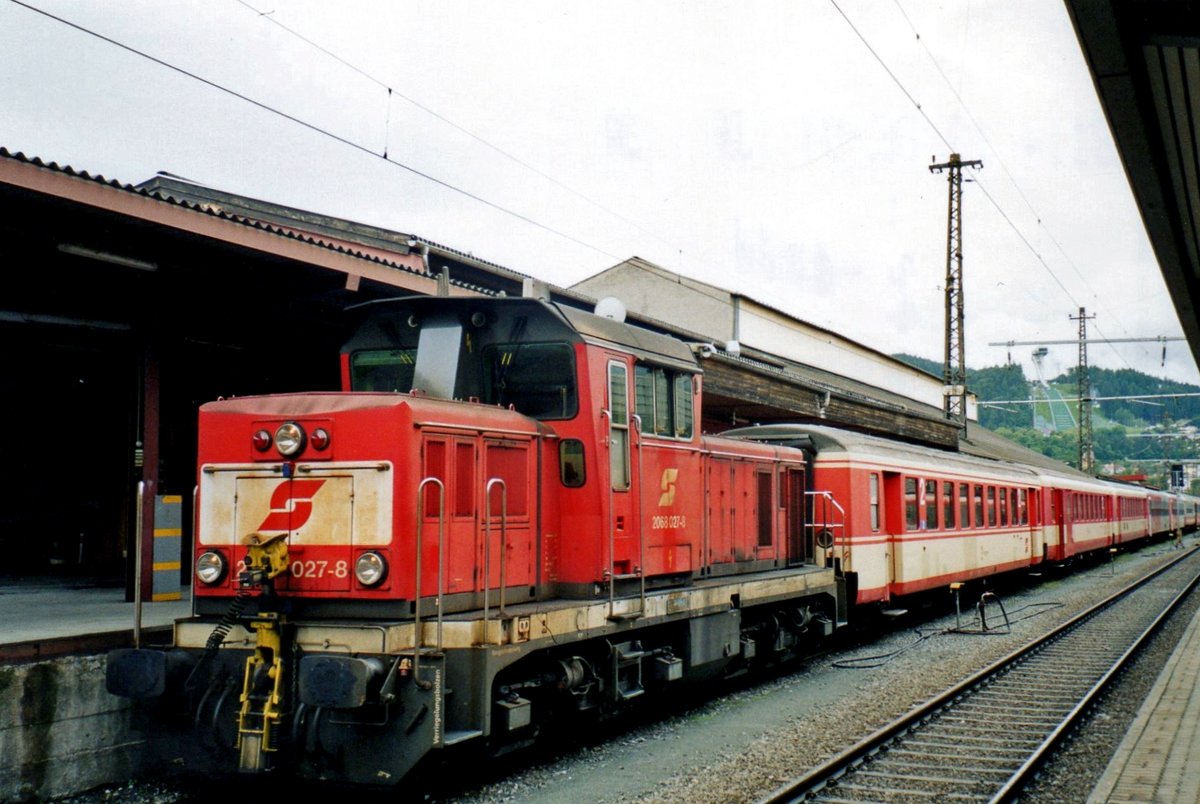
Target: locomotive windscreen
510, 353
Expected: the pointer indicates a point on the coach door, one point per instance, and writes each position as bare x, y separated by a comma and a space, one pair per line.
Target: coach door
1059, 523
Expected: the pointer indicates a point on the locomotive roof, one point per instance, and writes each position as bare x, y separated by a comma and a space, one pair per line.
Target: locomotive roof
544, 322
642, 342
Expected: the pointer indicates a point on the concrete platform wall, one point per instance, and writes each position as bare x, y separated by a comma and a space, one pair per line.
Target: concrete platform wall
61, 732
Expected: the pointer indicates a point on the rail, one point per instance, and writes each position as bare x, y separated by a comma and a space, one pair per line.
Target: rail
1078, 658
418, 637
487, 543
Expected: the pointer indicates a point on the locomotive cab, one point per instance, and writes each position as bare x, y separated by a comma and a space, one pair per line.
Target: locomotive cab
515, 355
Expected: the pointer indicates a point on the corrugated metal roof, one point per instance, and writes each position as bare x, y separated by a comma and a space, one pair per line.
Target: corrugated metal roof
209, 210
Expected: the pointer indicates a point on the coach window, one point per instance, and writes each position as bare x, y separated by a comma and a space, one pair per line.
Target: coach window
948, 505
979, 521
910, 503
664, 401
618, 427
1013, 510
991, 506
964, 506
874, 484
1003, 508
931, 504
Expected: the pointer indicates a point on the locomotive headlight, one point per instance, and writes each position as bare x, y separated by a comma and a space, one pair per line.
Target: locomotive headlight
210, 567
370, 569
289, 439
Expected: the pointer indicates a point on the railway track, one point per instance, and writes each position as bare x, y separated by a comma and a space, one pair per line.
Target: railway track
984, 739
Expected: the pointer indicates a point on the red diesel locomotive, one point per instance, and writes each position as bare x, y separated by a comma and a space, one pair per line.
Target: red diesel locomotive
510, 515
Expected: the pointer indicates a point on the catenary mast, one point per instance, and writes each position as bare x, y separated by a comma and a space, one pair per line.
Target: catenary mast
954, 372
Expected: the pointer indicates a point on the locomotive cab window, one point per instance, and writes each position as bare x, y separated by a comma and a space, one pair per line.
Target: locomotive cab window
537, 379
383, 370
663, 399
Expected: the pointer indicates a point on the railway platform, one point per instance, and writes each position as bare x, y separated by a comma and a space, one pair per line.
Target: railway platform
36, 612
1159, 759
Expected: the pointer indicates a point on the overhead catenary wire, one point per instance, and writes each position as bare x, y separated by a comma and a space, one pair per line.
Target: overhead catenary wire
994, 202
1012, 179
317, 129
392, 91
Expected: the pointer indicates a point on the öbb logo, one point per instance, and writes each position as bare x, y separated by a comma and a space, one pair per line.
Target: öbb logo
291, 505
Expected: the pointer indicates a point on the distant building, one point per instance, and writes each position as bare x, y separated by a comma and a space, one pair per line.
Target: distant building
731, 318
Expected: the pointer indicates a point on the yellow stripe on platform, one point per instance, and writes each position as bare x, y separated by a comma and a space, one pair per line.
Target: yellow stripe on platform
163, 596
172, 499
158, 532
165, 565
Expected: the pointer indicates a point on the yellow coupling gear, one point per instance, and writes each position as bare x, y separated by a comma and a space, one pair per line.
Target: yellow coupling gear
262, 699
262, 696
266, 557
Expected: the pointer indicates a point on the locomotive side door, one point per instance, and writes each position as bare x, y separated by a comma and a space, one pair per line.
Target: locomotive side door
799, 538
624, 516
450, 460
509, 510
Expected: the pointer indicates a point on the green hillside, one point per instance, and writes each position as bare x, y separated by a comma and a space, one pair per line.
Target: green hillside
1126, 432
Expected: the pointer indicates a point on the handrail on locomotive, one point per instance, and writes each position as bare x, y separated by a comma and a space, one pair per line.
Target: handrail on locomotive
494, 482
418, 632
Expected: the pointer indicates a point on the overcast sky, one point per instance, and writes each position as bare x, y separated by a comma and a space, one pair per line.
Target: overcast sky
772, 148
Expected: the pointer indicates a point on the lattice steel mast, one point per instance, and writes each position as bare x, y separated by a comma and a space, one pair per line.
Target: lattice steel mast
1087, 452
954, 372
